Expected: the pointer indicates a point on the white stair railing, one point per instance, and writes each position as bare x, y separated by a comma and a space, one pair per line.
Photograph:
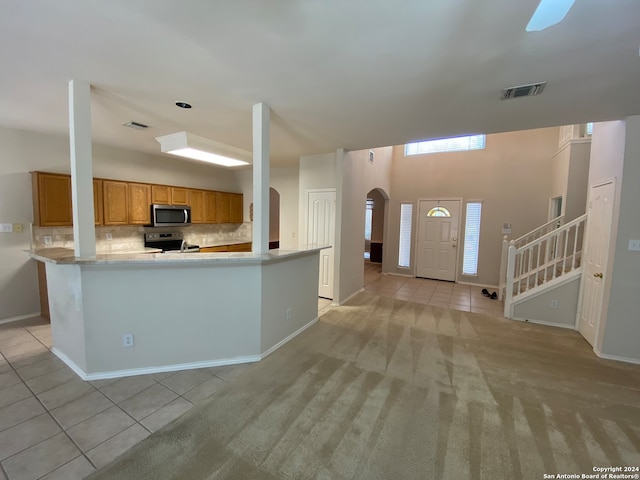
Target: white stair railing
543, 259
548, 227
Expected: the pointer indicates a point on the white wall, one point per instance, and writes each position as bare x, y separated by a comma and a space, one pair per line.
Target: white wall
18, 275
358, 177
512, 176
538, 309
607, 162
285, 181
315, 172
622, 327
23, 151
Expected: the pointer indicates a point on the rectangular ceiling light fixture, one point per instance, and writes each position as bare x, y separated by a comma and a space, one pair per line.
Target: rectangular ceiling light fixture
186, 145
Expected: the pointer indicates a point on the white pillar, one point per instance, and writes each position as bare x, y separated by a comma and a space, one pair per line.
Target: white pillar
84, 232
261, 119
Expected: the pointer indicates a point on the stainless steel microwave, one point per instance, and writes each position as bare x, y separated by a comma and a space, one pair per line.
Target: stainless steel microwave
170, 215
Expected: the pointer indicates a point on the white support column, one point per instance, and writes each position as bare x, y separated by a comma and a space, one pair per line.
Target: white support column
261, 119
84, 232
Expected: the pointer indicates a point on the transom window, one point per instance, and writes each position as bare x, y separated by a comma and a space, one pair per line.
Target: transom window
438, 212
453, 144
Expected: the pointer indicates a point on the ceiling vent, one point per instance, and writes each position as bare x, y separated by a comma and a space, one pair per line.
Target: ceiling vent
137, 125
523, 91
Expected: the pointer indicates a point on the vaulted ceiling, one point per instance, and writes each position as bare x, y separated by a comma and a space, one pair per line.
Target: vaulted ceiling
337, 73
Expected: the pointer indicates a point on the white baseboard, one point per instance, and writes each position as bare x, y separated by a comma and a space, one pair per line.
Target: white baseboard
348, 298
147, 370
492, 287
19, 317
542, 322
606, 356
289, 338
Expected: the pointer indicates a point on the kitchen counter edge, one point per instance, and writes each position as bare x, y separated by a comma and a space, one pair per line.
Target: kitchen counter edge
66, 256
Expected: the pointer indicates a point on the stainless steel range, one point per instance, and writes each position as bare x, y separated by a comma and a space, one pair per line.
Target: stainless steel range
169, 242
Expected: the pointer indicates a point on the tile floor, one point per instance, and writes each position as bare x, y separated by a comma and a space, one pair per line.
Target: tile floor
55, 426
450, 295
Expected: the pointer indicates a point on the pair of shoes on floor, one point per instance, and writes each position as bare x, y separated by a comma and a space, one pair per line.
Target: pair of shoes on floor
486, 293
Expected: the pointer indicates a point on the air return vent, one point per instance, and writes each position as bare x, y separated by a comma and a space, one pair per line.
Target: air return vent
137, 125
523, 91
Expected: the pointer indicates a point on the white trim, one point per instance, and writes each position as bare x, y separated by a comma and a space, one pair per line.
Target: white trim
542, 322
495, 287
147, 370
538, 290
334, 304
290, 337
20, 317
617, 358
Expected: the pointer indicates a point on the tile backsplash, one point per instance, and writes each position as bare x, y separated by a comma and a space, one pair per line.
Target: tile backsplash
131, 237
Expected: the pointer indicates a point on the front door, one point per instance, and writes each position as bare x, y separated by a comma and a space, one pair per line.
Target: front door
596, 253
438, 226
321, 220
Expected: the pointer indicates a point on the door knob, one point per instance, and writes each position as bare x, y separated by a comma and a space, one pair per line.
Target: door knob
598, 275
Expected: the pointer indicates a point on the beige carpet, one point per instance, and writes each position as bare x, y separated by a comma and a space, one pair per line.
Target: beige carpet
386, 389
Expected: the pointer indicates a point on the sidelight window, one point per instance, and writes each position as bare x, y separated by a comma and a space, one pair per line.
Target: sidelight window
471, 238
404, 250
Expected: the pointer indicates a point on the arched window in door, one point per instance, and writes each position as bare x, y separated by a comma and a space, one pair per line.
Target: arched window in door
438, 212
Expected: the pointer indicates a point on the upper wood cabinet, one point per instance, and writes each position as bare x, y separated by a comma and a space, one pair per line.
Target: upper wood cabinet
179, 196
223, 212
235, 208
127, 203
116, 204
52, 199
98, 209
161, 194
139, 203
196, 200
210, 213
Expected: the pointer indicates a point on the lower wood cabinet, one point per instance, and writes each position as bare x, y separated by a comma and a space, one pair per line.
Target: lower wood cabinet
220, 248
240, 247
237, 247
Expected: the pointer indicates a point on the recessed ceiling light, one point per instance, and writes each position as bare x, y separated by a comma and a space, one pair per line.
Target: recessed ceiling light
183, 105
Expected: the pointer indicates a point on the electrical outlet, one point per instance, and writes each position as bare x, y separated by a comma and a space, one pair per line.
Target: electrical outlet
554, 304
634, 245
48, 240
109, 236
288, 313
293, 234
127, 340
17, 227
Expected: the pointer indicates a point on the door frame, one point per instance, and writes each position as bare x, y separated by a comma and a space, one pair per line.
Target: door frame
417, 232
598, 328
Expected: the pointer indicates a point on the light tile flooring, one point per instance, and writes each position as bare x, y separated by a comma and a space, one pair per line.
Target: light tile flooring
55, 426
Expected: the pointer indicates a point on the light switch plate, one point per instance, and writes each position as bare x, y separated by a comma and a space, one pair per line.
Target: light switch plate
634, 245
6, 227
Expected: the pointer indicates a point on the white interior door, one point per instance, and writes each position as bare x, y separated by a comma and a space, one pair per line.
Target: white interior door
595, 256
438, 226
321, 221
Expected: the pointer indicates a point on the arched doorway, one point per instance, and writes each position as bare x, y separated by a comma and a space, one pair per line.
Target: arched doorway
374, 231
274, 218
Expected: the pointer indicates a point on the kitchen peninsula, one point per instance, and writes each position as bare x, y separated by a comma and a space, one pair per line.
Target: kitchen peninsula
182, 310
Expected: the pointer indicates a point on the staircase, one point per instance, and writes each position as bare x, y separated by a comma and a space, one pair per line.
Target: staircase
545, 258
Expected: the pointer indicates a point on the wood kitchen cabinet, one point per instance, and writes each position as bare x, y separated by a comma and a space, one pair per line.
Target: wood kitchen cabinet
220, 248
235, 208
52, 199
240, 247
139, 203
196, 200
223, 211
179, 196
161, 194
98, 208
210, 211
116, 204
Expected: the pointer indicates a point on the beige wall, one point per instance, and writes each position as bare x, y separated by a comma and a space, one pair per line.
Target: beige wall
377, 216
512, 176
538, 309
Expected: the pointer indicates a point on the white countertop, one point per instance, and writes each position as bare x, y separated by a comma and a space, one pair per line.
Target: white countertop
66, 256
